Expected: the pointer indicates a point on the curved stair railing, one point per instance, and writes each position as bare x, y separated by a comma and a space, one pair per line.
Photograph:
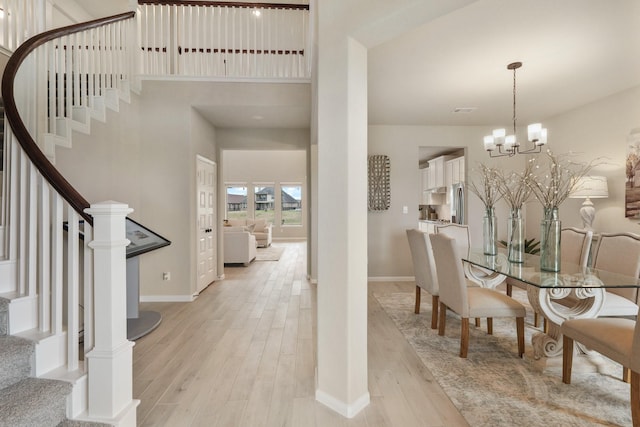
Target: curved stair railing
54, 83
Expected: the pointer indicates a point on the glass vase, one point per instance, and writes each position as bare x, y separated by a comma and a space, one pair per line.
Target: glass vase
515, 236
550, 228
489, 233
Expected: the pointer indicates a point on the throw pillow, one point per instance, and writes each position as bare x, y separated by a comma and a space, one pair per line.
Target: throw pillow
260, 225
250, 228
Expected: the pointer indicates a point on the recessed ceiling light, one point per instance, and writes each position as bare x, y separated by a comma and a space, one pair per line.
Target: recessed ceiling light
465, 110
257, 117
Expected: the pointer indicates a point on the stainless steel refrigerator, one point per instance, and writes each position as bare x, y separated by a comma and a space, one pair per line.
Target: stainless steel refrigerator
457, 204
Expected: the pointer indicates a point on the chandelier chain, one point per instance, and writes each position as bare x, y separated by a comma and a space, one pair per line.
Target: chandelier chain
514, 101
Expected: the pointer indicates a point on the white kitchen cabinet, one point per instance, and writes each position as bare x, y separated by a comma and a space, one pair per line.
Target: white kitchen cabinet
454, 171
437, 171
424, 177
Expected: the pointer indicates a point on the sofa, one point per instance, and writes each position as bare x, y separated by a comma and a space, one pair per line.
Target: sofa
239, 246
260, 228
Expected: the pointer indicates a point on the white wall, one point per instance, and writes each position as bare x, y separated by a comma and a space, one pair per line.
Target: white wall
145, 156
596, 130
172, 134
250, 167
388, 249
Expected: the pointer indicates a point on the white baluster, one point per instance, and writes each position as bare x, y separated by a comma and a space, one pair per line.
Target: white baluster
57, 259
32, 230
75, 73
44, 256
59, 75
88, 284
73, 286
23, 236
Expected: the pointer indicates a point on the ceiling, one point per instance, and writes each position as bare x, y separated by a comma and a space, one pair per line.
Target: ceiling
573, 52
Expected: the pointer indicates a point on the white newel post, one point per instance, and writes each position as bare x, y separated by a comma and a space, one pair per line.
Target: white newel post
110, 370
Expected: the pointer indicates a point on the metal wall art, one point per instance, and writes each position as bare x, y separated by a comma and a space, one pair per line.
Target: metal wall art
379, 188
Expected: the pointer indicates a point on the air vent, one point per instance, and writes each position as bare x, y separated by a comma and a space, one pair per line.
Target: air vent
465, 110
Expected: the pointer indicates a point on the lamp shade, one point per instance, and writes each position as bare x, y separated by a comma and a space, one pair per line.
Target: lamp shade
594, 187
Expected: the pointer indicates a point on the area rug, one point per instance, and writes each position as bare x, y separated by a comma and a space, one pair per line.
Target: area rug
271, 253
494, 387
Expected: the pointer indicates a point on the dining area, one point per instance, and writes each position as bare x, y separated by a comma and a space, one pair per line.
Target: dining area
589, 305
575, 295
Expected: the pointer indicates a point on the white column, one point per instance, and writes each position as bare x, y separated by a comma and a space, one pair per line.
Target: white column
342, 222
110, 370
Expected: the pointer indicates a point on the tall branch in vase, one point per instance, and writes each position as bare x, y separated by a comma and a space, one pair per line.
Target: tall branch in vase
485, 185
551, 184
516, 191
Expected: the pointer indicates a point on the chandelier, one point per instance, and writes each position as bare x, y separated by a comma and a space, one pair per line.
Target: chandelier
508, 145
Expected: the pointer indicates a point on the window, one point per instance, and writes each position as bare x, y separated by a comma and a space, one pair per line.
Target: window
236, 202
264, 202
291, 203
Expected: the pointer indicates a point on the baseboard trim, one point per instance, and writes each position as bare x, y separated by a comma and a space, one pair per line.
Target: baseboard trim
392, 279
167, 298
347, 411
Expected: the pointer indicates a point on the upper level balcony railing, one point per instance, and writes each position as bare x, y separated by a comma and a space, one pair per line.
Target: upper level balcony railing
224, 39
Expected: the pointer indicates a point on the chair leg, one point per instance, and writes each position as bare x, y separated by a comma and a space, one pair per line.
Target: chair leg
626, 375
417, 308
477, 322
509, 289
442, 320
536, 319
490, 325
464, 337
435, 301
545, 325
635, 398
520, 335
567, 359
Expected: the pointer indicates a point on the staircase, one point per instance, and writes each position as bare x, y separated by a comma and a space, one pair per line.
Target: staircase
46, 275
57, 82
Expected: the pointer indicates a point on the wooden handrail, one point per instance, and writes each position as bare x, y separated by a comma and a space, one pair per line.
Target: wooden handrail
227, 4
37, 157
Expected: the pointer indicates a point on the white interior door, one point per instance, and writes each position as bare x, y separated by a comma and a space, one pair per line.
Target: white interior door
206, 200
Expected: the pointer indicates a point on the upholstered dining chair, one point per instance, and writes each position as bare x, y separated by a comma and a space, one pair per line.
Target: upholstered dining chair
620, 253
616, 338
424, 270
460, 233
469, 301
575, 249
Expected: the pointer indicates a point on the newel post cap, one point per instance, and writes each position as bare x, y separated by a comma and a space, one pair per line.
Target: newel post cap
109, 207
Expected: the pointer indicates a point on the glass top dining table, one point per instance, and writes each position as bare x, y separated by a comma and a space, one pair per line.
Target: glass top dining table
582, 289
529, 272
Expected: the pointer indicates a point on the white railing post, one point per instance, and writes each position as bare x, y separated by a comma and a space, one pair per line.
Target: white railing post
110, 361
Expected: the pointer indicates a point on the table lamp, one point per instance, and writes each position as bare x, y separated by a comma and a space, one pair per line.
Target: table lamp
589, 187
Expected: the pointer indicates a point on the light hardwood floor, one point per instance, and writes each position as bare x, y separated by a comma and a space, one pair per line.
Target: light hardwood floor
243, 354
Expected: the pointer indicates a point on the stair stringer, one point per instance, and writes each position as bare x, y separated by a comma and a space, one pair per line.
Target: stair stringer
81, 118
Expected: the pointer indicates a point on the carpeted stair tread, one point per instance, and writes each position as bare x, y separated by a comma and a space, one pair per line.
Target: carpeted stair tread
15, 354
34, 402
